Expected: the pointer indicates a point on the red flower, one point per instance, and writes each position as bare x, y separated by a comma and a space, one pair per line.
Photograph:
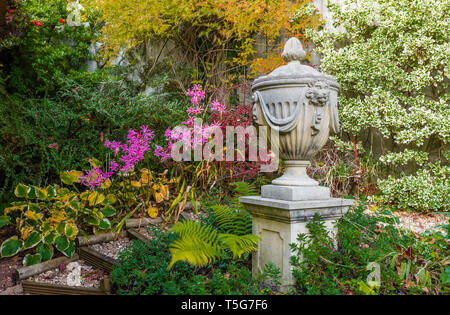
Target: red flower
10, 11
61, 20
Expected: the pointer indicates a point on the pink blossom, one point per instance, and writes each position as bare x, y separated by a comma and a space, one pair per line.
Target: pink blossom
160, 152
95, 177
115, 146
113, 166
195, 110
132, 151
196, 94
168, 133
189, 122
216, 106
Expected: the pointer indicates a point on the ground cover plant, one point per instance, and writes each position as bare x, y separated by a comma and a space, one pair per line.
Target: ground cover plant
409, 263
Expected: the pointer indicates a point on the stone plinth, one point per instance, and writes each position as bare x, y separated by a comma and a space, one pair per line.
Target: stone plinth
278, 222
295, 193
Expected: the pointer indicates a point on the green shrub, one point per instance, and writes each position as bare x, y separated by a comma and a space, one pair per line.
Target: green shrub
427, 190
46, 50
143, 269
40, 137
409, 264
391, 59
53, 112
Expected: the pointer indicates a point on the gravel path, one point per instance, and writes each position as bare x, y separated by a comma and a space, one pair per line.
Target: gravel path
419, 222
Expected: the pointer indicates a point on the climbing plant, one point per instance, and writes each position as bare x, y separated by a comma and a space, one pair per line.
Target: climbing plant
216, 38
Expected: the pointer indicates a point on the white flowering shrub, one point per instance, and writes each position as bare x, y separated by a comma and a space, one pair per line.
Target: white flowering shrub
392, 59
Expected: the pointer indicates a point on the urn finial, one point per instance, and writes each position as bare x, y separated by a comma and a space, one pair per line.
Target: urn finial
293, 50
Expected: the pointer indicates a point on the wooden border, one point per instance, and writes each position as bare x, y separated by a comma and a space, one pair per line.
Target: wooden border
136, 223
96, 259
101, 261
100, 238
135, 235
23, 273
40, 288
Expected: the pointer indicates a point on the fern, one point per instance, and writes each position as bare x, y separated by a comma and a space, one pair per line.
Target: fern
239, 244
243, 189
233, 221
200, 245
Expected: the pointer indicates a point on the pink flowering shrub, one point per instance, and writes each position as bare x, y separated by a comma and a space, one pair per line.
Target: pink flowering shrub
213, 115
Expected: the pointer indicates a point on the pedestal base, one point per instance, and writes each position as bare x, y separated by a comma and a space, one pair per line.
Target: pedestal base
295, 193
295, 174
278, 222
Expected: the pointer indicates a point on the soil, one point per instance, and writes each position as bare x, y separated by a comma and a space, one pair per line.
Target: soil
419, 222
8, 266
7, 271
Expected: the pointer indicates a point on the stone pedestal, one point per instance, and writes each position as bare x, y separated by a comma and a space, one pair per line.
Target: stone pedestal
278, 222
301, 105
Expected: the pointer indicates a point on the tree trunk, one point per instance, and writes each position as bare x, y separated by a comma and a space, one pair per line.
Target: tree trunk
2, 12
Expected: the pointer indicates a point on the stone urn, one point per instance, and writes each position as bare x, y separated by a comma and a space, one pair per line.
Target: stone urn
301, 104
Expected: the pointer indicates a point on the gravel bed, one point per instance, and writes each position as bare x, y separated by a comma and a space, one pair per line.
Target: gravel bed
111, 249
89, 276
191, 215
419, 222
144, 231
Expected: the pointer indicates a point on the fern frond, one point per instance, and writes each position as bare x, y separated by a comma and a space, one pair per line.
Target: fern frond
239, 244
233, 221
198, 244
194, 251
191, 229
243, 189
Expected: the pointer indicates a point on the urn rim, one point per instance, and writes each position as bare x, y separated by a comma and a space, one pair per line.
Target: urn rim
294, 72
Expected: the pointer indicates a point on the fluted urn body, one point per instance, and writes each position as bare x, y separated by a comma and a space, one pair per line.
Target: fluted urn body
301, 104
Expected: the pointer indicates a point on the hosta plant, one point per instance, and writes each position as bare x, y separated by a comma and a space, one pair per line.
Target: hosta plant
51, 217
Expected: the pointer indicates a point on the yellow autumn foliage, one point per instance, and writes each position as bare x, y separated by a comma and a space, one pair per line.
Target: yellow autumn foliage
216, 37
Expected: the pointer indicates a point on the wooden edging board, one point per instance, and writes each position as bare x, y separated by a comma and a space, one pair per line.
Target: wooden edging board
40, 288
90, 256
26, 272
33, 287
101, 261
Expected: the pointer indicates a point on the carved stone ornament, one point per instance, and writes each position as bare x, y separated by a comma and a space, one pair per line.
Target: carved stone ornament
301, 103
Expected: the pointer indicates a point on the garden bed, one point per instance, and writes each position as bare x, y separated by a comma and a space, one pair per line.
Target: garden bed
102, 251
51, 277
111, 249
55, 281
